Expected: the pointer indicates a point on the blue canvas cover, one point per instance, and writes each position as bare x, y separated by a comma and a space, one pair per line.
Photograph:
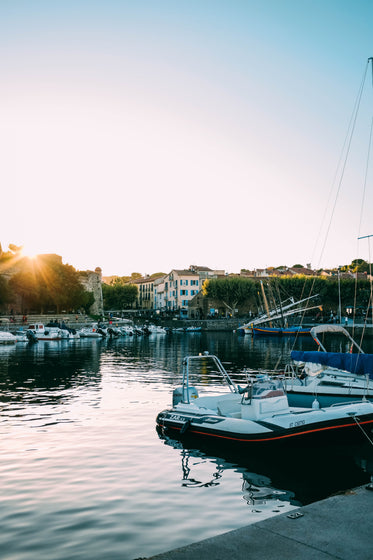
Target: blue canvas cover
361, 364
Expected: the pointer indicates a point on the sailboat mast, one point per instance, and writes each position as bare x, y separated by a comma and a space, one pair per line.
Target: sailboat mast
279, 299
265, 302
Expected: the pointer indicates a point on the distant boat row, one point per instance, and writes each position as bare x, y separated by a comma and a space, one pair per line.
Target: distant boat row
51, 332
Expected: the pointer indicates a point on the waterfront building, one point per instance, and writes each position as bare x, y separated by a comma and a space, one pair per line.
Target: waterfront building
147, 291
174, 292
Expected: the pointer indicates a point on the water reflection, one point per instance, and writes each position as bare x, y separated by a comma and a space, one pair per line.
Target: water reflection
77, 426
296, 476
201, 470
46, 373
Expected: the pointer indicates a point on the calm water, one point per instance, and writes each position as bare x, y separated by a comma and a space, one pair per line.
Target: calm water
84, 474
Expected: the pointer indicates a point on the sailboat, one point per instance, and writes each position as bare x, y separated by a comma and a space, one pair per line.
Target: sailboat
329, 377
263, 325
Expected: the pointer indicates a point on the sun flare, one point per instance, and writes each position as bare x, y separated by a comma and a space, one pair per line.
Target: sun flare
29, 252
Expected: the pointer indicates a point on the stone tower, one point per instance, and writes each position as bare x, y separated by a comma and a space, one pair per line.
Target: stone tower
91, 280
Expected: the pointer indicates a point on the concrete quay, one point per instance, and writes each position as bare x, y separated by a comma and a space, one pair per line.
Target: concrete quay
338, 527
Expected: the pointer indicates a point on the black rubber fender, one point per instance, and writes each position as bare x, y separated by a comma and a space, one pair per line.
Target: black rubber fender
185, 427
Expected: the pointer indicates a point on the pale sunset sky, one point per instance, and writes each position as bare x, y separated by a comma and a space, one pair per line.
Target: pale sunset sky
141, 136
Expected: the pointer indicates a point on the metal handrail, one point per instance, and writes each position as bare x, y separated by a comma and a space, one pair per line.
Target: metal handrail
232, 386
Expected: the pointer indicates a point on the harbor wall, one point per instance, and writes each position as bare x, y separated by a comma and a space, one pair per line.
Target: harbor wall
207, 325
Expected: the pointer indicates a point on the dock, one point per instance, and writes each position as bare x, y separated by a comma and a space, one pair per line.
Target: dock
338, 527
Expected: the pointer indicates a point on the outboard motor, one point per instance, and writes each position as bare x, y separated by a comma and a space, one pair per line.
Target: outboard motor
179, 394
31, 336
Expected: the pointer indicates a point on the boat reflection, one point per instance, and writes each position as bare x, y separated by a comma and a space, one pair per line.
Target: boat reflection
280, 480
200, 470
44, 375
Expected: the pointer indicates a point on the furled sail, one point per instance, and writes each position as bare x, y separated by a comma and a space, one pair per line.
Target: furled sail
360, 364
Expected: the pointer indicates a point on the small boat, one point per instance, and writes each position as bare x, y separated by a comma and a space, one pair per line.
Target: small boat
187, 329
7, 338
332, 377
126, 330
155, 329
258, 414
45, 333
21, 336
281, 331
90, 332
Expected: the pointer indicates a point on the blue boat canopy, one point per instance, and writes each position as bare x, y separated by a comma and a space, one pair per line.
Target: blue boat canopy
360, 364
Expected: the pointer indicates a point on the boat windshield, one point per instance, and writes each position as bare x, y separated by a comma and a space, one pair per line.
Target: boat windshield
266, 388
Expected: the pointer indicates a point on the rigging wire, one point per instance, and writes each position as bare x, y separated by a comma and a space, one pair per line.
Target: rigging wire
349, 133
347, 146
340, 169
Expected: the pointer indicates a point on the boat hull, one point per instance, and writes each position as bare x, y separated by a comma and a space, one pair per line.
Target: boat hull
346, 428
290, 331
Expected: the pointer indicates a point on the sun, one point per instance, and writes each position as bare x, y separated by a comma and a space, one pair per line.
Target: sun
29, 252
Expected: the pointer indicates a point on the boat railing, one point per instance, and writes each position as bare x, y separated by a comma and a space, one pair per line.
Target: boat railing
186, 371
364, 399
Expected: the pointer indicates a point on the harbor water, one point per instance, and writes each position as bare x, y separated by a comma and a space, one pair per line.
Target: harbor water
85, 475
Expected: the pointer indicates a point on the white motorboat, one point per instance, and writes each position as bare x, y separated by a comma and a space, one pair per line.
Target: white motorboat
126, 330
258, 414
43, 332
192, 329
91, 332
21, 336
7, 338
70, 334
155, 329
331, 377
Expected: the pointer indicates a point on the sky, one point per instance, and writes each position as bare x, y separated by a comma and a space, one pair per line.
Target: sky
147, 135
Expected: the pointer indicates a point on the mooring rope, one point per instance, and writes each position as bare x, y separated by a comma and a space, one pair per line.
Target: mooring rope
364, 432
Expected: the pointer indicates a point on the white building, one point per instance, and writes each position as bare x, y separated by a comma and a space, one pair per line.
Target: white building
178, 288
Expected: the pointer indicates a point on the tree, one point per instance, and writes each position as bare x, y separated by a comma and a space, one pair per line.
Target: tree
5, 295
47, 284
24, 285
232, 292
119, 295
